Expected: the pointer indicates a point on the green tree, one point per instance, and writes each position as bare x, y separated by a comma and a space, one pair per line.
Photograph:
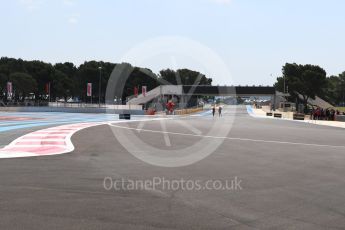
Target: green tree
61, 86
184, 77
341, 89
331, 93
42, 72
106, 70
170, 76
11, 65
306, 81
3, 81
67, 68
89, 72
69, 79
139, 77
23, 85
336, 89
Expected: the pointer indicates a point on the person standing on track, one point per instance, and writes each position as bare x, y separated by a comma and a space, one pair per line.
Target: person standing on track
220, 111
213, 110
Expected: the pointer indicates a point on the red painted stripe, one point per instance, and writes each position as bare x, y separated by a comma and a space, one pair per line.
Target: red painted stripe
42, 143
43, 137
53, 143
48, 133
46, 141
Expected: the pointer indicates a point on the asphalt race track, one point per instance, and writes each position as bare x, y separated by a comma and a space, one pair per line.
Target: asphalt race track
290, 175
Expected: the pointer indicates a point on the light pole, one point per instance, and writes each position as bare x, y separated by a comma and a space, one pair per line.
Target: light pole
99, 86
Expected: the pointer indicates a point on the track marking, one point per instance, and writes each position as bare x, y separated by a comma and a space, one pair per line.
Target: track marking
190, 127
165, 134
51, 141
230, 138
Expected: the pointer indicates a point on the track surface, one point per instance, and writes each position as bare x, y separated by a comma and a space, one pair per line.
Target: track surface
292, 178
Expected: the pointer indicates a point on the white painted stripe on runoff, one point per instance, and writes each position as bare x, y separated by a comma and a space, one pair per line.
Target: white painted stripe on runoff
39, 134
46, 149
29, 150
41, 139
43, 145
4, 154
230, 138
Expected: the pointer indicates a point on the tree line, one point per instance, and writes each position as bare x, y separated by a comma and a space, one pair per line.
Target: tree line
303, 82
66, 80
30, 79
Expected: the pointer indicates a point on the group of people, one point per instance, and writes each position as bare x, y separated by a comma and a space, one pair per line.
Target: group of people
324, 114
219, 111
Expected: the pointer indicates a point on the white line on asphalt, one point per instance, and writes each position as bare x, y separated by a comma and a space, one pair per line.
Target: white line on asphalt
230, 138
165, 134
190, 127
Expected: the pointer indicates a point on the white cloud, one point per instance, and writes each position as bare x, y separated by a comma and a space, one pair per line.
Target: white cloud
73, 20
224, 2
69, 2
31, 5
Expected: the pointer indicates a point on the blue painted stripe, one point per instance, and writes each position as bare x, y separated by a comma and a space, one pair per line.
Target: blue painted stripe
52, 119
250, 110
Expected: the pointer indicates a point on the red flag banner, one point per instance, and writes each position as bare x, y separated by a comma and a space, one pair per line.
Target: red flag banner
136, 91
9, 88
144, 90
89, 89
47, 88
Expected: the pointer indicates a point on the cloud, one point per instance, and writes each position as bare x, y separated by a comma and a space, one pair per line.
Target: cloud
223, 2
31, 5
73, 20
69, 2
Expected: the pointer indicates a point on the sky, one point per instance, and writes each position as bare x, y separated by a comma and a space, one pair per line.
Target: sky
249, 39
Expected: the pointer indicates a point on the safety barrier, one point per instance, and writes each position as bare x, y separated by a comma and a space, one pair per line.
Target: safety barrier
340, 118
298, 116
70, 110
125, 116
278, 115
95, 105
188, 111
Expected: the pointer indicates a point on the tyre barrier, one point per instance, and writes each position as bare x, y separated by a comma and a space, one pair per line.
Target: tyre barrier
278, 115
269, 114
297, 116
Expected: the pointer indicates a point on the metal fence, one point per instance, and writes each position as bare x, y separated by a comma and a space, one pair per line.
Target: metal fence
86, 105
